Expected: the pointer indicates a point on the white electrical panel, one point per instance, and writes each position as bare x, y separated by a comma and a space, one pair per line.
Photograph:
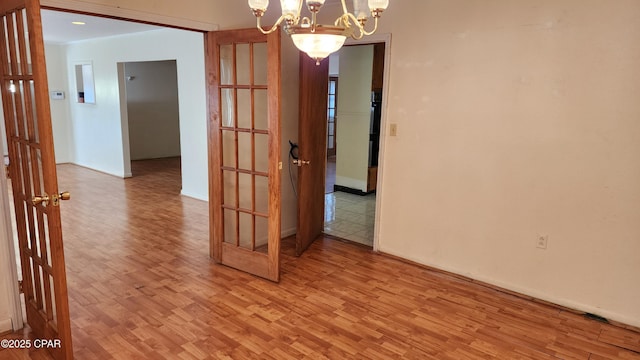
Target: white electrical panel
57, 95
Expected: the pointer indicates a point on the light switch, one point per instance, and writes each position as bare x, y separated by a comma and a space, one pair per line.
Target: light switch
57, 95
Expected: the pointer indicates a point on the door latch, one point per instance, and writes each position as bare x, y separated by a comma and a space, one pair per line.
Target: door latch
301, 162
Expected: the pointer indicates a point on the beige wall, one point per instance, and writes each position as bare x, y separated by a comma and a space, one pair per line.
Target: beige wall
9, 307
152, 108
518, 118
515, 118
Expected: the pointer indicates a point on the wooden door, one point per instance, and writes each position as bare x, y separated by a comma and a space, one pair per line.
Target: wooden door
243, 68
312, 142
32, 171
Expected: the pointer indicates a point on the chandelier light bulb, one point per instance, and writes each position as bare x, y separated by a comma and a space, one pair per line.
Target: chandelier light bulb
315, 2
360, 9
261, 5
378, 4
318, 46
291, 7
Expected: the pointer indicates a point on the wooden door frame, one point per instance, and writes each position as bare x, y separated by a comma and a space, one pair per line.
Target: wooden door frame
386, 39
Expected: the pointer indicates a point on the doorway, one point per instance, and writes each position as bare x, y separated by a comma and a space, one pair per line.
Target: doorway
95, 126
152, 109
352, 156
151, 114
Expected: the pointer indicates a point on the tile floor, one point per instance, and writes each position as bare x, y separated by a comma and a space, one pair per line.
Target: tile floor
350, 217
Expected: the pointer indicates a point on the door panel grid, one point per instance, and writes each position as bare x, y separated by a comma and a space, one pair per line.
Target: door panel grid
239, 146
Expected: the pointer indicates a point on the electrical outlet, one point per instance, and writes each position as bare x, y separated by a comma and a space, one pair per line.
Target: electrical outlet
393, 129
541, 243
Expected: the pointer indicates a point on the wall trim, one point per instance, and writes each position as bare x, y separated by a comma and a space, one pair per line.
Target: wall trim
6, 326
121, 176
347, 182
288, 232
351, 190
194, 196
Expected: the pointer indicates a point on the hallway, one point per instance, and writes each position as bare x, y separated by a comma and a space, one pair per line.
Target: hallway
142, 286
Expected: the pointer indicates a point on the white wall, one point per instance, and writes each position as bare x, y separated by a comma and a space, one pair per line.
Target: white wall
97, 128
60, 118
152, 105
518, 118
354, 116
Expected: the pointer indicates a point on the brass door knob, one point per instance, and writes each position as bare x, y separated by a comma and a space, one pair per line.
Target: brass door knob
55, 198
37, 200
65, 195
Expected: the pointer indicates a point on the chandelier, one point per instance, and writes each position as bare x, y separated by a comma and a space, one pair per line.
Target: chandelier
317, 40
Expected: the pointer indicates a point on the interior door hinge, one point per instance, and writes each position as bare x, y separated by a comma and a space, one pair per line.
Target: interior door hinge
20, 287
6, 170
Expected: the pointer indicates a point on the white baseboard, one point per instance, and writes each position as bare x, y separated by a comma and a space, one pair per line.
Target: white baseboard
194, 196
530, 292
288, 232
6, 325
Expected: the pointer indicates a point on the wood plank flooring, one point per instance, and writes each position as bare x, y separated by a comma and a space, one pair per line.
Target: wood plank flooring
142, 286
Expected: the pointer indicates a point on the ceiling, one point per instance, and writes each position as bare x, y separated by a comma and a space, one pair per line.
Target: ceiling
57, 27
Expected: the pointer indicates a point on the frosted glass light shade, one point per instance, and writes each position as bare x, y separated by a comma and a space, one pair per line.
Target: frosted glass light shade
378, 4
318, 46
291, 7
259, 4
360, 9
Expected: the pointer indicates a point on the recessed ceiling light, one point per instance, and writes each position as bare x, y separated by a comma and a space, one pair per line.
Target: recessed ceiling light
78, 23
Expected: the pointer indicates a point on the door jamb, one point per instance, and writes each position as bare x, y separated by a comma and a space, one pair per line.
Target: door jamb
386, 39
12, 278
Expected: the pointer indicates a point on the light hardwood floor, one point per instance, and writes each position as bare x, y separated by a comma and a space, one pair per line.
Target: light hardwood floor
142, 286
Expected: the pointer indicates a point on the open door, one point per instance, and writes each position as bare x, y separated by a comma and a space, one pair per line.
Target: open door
32, 170
312, 142
243, 68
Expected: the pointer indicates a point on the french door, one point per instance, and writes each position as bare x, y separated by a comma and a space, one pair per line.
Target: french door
243, 68
32, 170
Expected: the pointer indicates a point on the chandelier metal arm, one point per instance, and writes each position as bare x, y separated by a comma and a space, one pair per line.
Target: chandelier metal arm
344, 7
360, 25
273, 28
